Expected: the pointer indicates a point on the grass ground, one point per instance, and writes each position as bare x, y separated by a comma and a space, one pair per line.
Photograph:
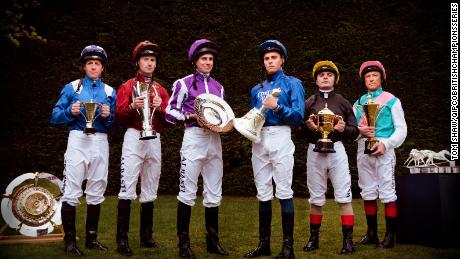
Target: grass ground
238, 232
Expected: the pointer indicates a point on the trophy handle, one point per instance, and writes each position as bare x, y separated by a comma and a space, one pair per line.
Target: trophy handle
154, 108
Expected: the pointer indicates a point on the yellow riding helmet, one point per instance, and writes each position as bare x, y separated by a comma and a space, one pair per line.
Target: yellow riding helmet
326, 65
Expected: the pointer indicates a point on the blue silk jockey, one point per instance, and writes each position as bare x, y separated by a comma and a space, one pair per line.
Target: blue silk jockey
273, 156
87, 155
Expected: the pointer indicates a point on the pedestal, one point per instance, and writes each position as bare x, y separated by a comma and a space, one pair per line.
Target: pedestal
429, 209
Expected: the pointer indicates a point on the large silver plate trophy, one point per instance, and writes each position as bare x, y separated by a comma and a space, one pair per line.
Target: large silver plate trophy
214, 113
31, 204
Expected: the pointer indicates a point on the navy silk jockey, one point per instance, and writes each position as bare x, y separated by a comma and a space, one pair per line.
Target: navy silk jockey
273, 156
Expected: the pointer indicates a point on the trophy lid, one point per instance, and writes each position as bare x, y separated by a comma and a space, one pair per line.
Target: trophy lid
325, 111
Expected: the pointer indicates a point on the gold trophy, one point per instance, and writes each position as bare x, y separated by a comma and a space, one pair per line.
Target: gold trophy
90, 116
371, 112
325, 121
252, 122
146, 113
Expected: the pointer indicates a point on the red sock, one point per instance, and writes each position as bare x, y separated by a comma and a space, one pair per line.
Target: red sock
315, 219
348, 220
391, 210
370, 207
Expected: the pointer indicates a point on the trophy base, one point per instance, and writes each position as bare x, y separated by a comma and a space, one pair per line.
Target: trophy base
88, 131
148, 134
324, 146
368, 144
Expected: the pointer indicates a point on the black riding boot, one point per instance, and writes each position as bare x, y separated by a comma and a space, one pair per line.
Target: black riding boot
212, 227
265, 221
92, 221
371, 236
287, 250
347, 240
389, 240
313, 242
183, 223
68, 214
147, 225
124, 211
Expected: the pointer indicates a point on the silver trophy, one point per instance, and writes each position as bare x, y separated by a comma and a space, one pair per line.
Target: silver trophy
214, 113
146, 113
90, 115
250, 125
31, 204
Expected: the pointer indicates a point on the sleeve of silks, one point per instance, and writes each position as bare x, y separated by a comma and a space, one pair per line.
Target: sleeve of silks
174, 113
351, 131
161, 112
358, 112
293, 115
399, 135
111, 101
123, 111
61, 111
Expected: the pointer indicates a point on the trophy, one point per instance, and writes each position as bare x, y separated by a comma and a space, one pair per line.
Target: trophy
90, 116
251, 124
146, 114
325, 120
31, 204
214, 112
371, 112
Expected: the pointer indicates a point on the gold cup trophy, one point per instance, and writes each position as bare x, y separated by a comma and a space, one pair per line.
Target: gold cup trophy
90, 115
252, 122
325, 120
146, 113
371, 111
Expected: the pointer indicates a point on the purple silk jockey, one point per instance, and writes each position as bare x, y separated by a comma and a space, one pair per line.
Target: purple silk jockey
201, 151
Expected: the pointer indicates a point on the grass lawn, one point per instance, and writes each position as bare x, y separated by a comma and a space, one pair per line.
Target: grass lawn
238, 232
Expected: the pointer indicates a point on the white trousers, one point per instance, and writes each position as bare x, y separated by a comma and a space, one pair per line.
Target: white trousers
376, 175
320, 166
201, 152
273, 158
86, 157
140, 158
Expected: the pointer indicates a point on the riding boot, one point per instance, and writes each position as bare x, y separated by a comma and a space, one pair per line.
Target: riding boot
347, 231
183, 223
68, 213
313, 241
146, 228
124, 211
265, 221
212, 236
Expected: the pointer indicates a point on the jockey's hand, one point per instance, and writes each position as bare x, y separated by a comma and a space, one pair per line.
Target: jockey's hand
379, 149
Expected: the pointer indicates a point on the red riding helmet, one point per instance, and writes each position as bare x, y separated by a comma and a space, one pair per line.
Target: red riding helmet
145, 48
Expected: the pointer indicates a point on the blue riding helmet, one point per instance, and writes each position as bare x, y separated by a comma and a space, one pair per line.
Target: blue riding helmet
272, 45
93, 52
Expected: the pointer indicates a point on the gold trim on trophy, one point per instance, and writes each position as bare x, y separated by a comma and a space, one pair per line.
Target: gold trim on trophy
325, 121
90, 115
371, 111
